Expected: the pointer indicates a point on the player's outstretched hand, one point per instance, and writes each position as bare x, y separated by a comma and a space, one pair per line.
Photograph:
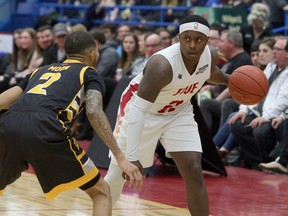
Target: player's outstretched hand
132, 171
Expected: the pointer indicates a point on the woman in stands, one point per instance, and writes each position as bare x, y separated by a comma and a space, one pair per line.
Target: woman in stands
130, 51
24, 47
28, 46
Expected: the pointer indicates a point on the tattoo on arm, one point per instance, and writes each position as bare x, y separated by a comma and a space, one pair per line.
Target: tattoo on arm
99, 121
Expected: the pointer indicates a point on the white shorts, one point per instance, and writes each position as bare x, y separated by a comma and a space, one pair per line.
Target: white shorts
175, 132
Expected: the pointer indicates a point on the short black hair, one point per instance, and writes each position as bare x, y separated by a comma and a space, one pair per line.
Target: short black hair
98, 35
44, 28
218, 27
110, 26
195, 18
79, 42
255, 45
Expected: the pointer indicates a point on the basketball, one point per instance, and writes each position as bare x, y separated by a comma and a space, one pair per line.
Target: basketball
248, 85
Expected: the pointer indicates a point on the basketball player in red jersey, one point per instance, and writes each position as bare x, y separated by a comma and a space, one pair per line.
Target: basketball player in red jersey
156, 106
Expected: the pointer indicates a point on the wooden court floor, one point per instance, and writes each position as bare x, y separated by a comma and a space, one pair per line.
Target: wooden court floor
242, 193
24, 197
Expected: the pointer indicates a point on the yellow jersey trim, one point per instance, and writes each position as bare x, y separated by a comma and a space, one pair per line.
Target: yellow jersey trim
72, 185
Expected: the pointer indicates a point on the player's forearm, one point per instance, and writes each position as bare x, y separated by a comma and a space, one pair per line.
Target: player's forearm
8, 97
223, 95
136, 120
219, 77
99, 122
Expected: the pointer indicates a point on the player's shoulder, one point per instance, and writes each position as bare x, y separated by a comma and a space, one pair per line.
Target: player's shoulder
158, 62
158, 69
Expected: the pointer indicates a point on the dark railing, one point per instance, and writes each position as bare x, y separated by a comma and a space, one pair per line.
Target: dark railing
283, 29
62, 8
34, 9
6, 8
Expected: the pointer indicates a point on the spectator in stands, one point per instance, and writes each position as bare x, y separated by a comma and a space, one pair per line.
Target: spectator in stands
28, 46
280, 165
129, 53
141, 44
166, 36
251, 125
141, 32
45, 37
224, 139
257, 28
109, 31
214, 40
254, 52
108, 56
16, 45
152, 44
56, 53
107, 63
266, 52
77, 27
16, 50
12, 66
121, 32
213, 110
37, 56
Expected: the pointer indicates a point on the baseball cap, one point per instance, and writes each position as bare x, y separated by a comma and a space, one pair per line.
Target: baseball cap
60, 29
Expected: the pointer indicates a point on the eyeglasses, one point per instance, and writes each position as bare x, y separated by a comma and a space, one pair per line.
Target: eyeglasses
278, 49
214, 38
151, 45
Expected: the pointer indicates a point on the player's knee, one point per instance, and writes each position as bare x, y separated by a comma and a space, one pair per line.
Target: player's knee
100, 189
194, 177
196, 168
193, 170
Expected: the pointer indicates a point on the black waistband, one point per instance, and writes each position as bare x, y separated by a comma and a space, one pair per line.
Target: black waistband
33, 109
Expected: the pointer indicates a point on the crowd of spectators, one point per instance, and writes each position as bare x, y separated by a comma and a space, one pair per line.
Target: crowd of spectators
255, 132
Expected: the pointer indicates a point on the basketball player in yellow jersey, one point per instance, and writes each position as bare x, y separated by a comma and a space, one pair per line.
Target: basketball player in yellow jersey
36, 128
157, 106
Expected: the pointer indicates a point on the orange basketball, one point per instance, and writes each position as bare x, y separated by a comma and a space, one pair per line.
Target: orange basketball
248, 85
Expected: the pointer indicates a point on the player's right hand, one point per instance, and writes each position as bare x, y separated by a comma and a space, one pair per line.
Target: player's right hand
133, 172
136, 163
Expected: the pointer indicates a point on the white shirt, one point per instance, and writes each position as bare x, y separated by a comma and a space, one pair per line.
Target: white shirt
276, 101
